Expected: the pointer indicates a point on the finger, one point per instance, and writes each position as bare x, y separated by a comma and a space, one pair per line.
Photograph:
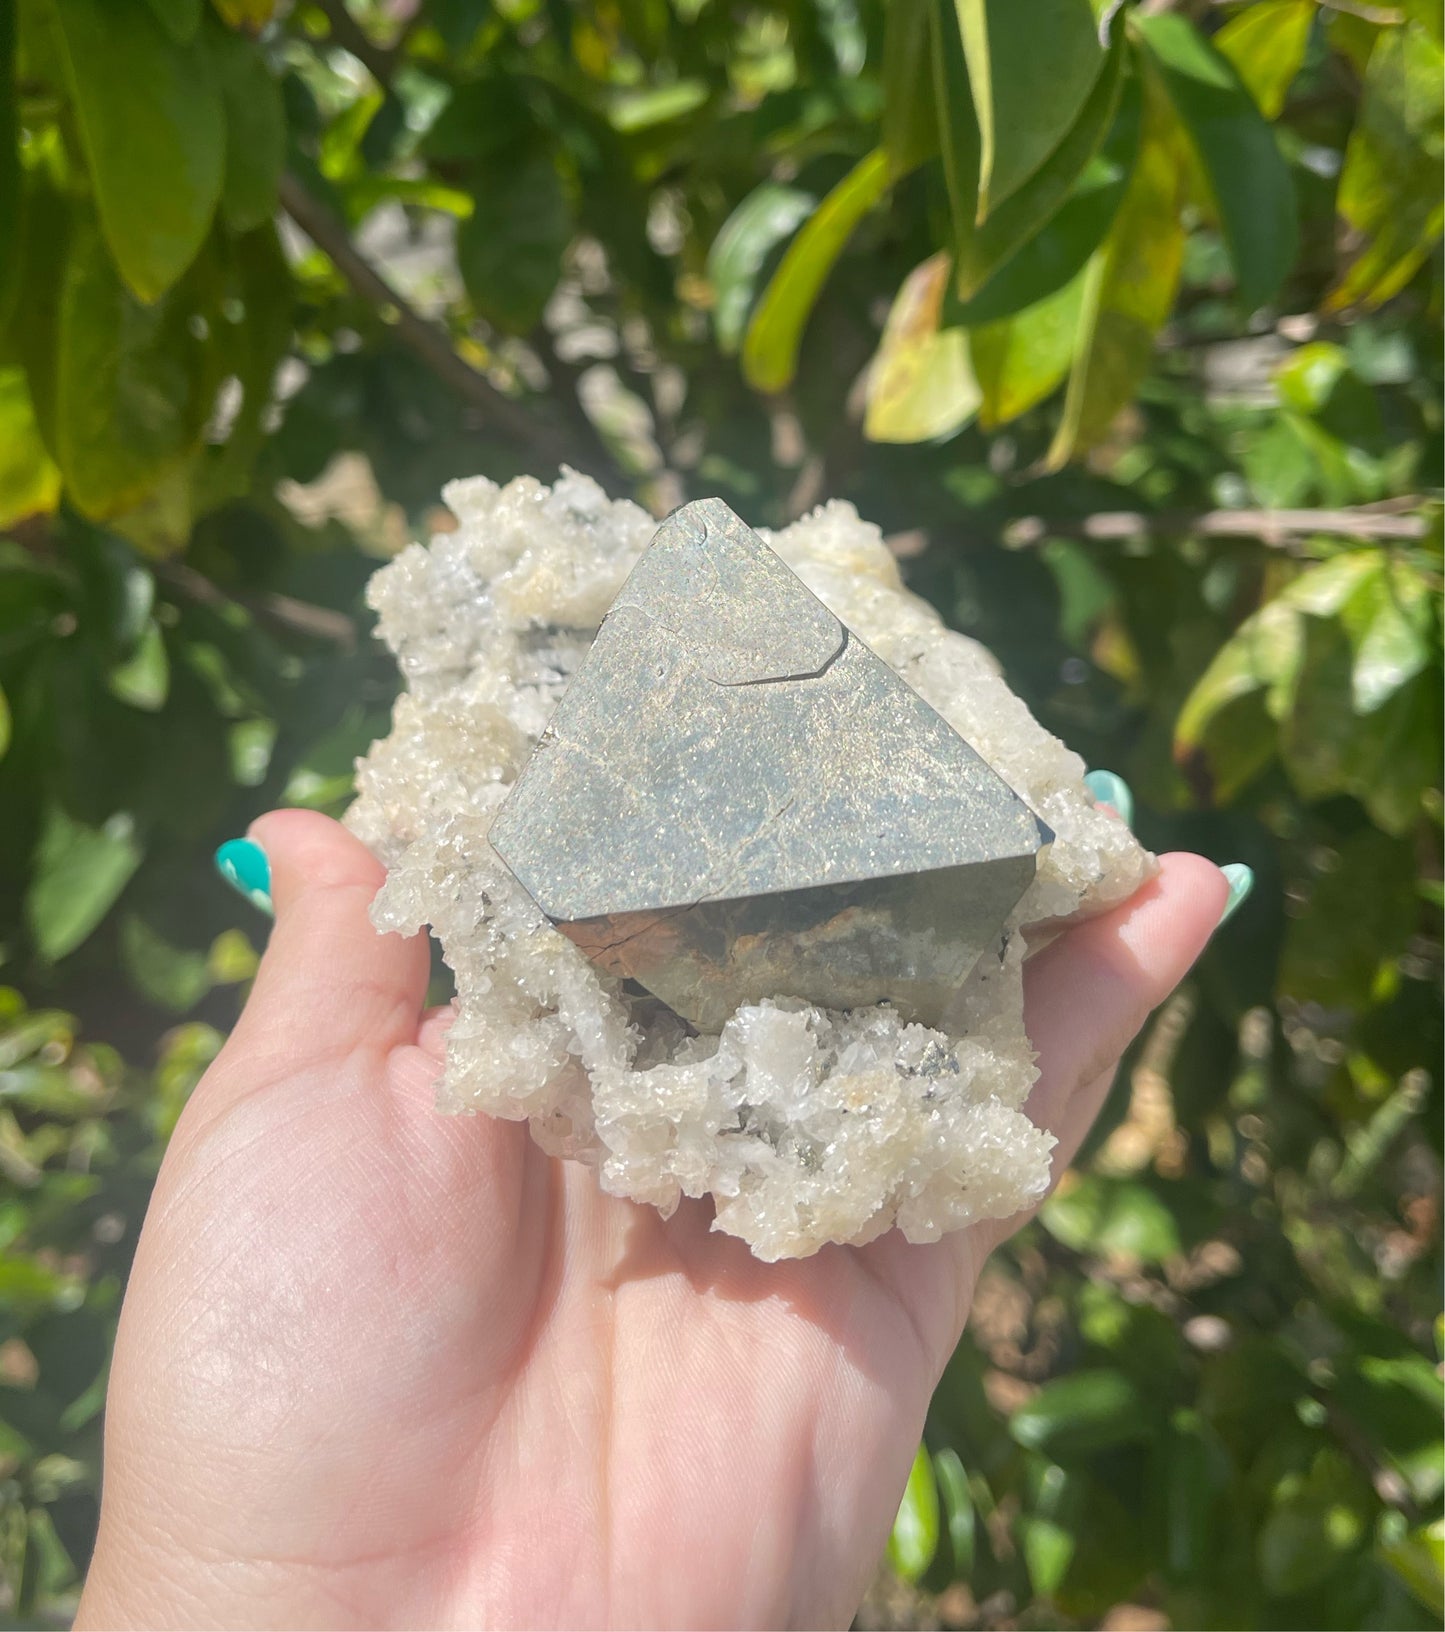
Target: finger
1087, 995
329, 983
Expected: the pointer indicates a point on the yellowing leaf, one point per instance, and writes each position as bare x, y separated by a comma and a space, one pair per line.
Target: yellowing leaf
248, 14
150, 121
29, 479
1130, 285
770, 350
1020, 360
1266, 43
1394, 174
1031, 68
921, 385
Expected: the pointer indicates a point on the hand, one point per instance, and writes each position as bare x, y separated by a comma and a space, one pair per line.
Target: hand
378, 1366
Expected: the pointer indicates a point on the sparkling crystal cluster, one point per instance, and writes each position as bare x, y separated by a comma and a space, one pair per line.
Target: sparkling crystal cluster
803, 1124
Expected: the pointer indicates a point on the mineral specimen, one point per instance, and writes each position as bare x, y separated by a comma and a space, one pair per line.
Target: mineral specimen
804, 1123
737, 800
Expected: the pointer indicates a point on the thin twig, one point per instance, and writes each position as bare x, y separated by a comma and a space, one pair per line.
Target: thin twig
1274, 527
433, 345
299, 617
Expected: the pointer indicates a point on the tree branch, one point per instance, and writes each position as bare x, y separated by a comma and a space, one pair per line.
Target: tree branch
433, 345
1277, 528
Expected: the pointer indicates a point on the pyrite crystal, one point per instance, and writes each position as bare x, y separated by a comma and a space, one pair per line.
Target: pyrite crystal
737, 800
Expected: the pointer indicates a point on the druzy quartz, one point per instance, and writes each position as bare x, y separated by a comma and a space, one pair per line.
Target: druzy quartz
736, 800
807, 1113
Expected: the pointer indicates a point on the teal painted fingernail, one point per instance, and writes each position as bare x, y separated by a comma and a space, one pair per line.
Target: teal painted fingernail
243, 865
1241, 882
1110, 789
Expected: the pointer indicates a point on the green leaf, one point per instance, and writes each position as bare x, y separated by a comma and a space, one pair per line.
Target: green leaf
914, 1539
78, 873
255, 130
151, 123
5, 722
1394, 172
1130, 289
1111, 1217
1250, 181
134, 382
1077, 1415
768, 215
920, 386
958, 1510
10, 194
143, 679
179, 18
175, 977
958, 132
984, 247
1263, 654
1031, 69
770, 348
1419, 1562
1391, 625
1355, 919
1314, 1521
1020, 360
910, 118
510, 249
29, 479
1266, 44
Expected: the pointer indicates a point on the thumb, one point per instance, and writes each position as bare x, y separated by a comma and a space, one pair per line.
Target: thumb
329, 984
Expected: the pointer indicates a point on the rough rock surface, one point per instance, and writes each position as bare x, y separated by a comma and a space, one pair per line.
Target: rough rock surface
804, 1125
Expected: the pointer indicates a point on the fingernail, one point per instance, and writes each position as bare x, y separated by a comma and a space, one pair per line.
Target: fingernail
1241, 882
1110, 789
243, 865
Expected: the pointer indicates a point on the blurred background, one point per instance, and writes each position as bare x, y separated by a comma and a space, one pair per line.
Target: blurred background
1123, 322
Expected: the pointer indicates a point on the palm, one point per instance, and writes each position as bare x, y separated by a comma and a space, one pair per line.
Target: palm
400, 1368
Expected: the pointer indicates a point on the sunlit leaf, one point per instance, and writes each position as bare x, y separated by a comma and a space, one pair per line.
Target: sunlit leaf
1112, 1217
914, 1539
1020, 360
1394, 174
1266, 43
1130, 288
151, 121
29, 479
78, 873
984, 247
1250, 181
921, 385
768, 215
1031, 69
134, 383
1077, 1415
770, 349
1419, 1562
1391, 624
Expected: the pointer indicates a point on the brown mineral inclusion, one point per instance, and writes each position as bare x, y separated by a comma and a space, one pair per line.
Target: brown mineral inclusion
736, 799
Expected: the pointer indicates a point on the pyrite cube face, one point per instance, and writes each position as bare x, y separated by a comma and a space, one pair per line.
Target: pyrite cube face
736, 799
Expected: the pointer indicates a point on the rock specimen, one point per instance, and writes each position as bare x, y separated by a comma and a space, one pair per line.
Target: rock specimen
737, 800
805, 1124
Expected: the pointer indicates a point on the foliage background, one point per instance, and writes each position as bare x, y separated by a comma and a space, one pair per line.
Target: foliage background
1153, 300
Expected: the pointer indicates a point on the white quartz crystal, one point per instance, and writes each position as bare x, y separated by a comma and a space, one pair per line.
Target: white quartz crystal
803, 1125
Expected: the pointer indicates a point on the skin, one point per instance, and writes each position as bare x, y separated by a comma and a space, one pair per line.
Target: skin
380, 1367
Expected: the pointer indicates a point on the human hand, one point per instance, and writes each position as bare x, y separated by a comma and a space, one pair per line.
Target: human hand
378, 1366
